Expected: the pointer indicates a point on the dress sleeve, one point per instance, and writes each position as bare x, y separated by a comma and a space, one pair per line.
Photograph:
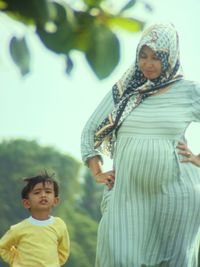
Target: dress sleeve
64, 244
196, 102
8, 249
87, 137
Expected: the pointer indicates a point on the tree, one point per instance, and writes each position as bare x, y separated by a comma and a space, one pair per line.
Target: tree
91, 196
63, 27
20, 158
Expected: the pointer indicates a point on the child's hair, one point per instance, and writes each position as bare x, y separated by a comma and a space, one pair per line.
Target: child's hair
40, 178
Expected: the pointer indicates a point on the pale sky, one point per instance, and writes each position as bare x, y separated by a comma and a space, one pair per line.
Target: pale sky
52, 108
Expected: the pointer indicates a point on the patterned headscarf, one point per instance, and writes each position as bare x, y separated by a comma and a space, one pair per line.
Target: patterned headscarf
133, 87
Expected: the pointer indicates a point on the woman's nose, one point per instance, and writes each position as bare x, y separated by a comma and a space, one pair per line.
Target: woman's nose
149, 62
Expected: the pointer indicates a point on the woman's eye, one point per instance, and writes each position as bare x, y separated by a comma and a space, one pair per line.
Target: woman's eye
142, 55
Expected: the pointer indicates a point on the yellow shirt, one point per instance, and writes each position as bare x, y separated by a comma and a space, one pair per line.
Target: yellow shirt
33, 243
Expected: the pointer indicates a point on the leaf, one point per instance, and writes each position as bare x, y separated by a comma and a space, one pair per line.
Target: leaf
3, 5
85, 23
103, 53
69, 64
39, 11
130, 4
92, 3
148, 7
61, 39
129, 24
20, 54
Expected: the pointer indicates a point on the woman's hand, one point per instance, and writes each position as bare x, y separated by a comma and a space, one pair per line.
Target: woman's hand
95, 164
189, 156
107, 178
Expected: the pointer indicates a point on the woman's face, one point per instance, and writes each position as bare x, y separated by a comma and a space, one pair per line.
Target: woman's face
149, 64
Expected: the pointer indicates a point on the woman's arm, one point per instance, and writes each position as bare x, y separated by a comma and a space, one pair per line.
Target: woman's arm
92, 157
189, 156
194, 96
95, 165
87, 137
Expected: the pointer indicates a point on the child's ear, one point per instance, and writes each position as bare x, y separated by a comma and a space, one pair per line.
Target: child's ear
26, 203
56, 201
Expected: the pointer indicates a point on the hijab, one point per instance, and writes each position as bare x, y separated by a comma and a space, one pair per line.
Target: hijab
134, 87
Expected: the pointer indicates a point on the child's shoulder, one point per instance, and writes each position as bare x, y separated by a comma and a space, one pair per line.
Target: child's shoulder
60, 222
19, 225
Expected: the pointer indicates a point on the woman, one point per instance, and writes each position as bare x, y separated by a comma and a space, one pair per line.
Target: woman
151, 205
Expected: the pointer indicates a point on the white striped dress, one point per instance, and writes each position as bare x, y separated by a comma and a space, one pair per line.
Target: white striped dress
151, 217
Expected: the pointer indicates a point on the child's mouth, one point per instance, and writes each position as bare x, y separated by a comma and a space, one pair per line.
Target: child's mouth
44, 201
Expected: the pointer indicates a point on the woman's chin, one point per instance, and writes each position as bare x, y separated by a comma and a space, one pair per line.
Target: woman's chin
151, 77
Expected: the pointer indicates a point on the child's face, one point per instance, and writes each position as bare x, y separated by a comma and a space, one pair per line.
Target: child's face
41, 198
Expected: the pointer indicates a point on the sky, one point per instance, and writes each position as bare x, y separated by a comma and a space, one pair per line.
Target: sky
52, 108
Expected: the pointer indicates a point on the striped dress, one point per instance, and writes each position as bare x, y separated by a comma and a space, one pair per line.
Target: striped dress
151, 217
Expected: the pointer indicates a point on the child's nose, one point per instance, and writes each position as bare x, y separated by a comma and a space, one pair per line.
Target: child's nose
43, 193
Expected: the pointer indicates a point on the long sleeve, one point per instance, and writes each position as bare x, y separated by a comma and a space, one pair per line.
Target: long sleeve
196, 102
8, 246
64, 246
87, 137
34, 244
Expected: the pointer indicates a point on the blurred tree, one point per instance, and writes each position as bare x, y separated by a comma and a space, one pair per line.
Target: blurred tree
83, 235
19, 158
91, 196
62, 27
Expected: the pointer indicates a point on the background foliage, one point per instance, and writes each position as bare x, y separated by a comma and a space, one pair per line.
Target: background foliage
88, 27
80, 200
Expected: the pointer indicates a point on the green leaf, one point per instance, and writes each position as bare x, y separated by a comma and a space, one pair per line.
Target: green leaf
84, 23
69, 64
148, 7
103, 53
130, 4
92, 3
61, 38
20, 54
39, 11
129, 24
3, 5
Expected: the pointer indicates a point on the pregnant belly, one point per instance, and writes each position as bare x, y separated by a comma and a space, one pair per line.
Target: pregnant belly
145, 163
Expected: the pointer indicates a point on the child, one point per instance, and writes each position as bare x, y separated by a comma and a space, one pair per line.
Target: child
40, 240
